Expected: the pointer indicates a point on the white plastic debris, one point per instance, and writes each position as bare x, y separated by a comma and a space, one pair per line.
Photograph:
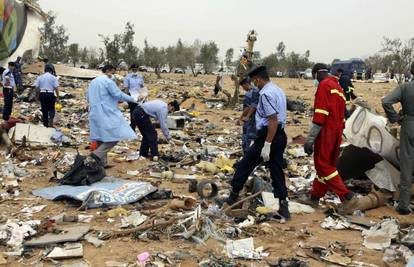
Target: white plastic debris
14, 232
70, 250
335, 224
247, 223
244, 248
135, 219
294, 207
379, 236
397, 253
28, 211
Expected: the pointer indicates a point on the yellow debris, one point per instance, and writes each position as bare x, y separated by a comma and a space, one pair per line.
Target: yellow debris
117, 212
263, 210
194, 113
167, 175
227, 170
207, 167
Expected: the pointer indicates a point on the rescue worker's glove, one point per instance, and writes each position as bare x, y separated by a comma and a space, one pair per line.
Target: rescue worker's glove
265, 154
310, 141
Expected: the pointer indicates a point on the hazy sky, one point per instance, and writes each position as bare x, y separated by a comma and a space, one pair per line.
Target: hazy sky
329, 29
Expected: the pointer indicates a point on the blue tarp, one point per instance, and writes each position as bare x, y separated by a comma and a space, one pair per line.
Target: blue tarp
109, 192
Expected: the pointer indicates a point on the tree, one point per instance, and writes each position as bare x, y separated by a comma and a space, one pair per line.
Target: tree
130, 51
272, 63
112, 48
121, 46
84, 55
170, 57
229, 57
74, 54
191, 54
288, 63
209, 56
402, 54
154, 57
54, 40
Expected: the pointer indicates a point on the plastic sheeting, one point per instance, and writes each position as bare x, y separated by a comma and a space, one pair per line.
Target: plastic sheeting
109, 192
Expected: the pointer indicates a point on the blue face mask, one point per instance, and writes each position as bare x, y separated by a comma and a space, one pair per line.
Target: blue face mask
315, 83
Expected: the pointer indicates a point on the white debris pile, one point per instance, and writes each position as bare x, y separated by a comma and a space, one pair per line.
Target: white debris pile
14, 232
244, 248
380, 235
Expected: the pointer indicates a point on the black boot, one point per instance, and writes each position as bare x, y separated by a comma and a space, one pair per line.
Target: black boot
284, 209
232, 198
403, 211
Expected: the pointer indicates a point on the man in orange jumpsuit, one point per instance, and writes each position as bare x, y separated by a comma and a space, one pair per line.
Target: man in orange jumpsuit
325, 138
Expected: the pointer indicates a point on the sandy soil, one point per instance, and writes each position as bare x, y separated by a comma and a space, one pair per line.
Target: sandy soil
281, 242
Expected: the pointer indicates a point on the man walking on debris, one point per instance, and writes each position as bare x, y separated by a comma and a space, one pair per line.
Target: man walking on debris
325, 137
158, 110
270, 143
9, 87
106, 122
49, 66
247, 118
346, 84
403, 94
18, 75
134, 83
47, 85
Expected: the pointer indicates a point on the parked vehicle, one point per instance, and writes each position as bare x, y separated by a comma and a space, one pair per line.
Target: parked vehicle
307, 74
146, 69
350, 67
178, 70
165, 69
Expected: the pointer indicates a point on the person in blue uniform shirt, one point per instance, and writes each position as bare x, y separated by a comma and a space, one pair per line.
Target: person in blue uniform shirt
106, 123
47, 85
9, 87
247, 118
158, 110
270, 143
50, 66
18, 75
134, 84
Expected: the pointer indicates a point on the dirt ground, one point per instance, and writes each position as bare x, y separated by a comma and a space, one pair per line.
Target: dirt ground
282, 241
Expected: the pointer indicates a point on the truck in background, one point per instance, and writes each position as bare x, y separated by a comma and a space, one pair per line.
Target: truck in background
353, 68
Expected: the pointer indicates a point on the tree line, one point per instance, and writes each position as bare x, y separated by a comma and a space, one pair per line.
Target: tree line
121, 47
395, 56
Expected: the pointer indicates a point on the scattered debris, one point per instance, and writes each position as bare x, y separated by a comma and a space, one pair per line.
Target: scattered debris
70, 250
380, 235
62, 235
244, 248
13, 232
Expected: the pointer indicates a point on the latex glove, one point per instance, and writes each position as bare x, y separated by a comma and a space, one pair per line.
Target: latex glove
310, 141
266, 151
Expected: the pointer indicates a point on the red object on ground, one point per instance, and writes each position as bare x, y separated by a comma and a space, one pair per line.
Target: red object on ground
330, 104
94, 145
